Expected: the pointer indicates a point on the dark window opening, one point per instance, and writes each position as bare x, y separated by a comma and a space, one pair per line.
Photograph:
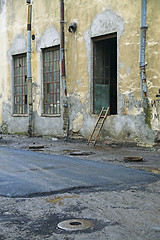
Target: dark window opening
51, 81
105, 73
25, 99
20, 84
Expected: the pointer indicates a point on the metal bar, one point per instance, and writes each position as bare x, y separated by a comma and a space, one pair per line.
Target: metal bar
62, 52
63, 71
29, 74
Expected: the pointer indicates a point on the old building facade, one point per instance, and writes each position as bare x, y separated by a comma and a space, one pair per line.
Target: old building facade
102, 56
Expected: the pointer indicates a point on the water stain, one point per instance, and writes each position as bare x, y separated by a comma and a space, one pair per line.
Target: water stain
149, 169
59, 200
38, 169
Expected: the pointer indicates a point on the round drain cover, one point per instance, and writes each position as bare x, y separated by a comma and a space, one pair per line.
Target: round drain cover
75, 224
133, 159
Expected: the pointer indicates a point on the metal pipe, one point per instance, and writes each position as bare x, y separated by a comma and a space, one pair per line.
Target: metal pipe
29, 74
63, 71
142, 64
62, 51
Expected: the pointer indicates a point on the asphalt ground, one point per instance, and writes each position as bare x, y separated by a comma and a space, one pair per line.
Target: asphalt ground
27, 173
103, 152
127, 210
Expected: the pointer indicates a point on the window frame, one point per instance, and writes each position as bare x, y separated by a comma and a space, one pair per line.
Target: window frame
24, 75
56, 95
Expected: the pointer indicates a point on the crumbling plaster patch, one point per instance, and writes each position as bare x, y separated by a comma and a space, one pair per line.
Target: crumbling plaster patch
77, 113
2, 3
155, 113
47, 125
49, 38
107, 22
77, 122
18, 46
128, 128
14, 124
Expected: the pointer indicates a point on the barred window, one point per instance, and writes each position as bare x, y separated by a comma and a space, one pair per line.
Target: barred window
20, 84
51, 81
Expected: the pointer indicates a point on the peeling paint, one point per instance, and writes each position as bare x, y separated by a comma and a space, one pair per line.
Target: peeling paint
77, 122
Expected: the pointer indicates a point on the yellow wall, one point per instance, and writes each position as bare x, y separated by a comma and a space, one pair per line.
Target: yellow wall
92, 17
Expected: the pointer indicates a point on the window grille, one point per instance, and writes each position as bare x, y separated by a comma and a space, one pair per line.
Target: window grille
51, 81
20, 85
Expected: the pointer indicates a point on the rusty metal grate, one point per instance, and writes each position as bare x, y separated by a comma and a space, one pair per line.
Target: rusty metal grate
20, 84
51, 81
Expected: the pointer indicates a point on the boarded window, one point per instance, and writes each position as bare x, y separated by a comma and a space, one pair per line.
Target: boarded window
51, 81
20, 84
105, 73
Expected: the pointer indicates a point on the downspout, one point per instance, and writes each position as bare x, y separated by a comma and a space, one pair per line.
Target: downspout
142, 64
29, 74
63, 71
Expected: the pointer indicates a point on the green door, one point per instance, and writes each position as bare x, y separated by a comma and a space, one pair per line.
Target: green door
105, 73
101, 76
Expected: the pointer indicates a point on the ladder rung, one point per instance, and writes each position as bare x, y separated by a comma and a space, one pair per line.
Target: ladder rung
96, 131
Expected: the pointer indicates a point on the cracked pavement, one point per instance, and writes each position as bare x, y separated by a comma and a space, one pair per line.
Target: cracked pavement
119, 213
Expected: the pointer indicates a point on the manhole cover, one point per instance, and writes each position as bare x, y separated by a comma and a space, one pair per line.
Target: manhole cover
80, 153
34, 147
75, 225
133, 159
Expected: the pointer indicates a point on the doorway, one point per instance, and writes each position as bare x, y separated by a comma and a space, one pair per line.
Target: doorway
105, 73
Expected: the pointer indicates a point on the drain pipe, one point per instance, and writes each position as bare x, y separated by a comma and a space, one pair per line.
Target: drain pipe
29, 74
63, 71
142, 65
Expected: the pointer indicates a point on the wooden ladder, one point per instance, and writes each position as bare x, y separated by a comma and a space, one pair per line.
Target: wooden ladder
99, 124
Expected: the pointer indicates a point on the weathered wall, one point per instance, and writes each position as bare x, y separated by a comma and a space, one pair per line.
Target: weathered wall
152, 59
93, 18
3, 60
46, 30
